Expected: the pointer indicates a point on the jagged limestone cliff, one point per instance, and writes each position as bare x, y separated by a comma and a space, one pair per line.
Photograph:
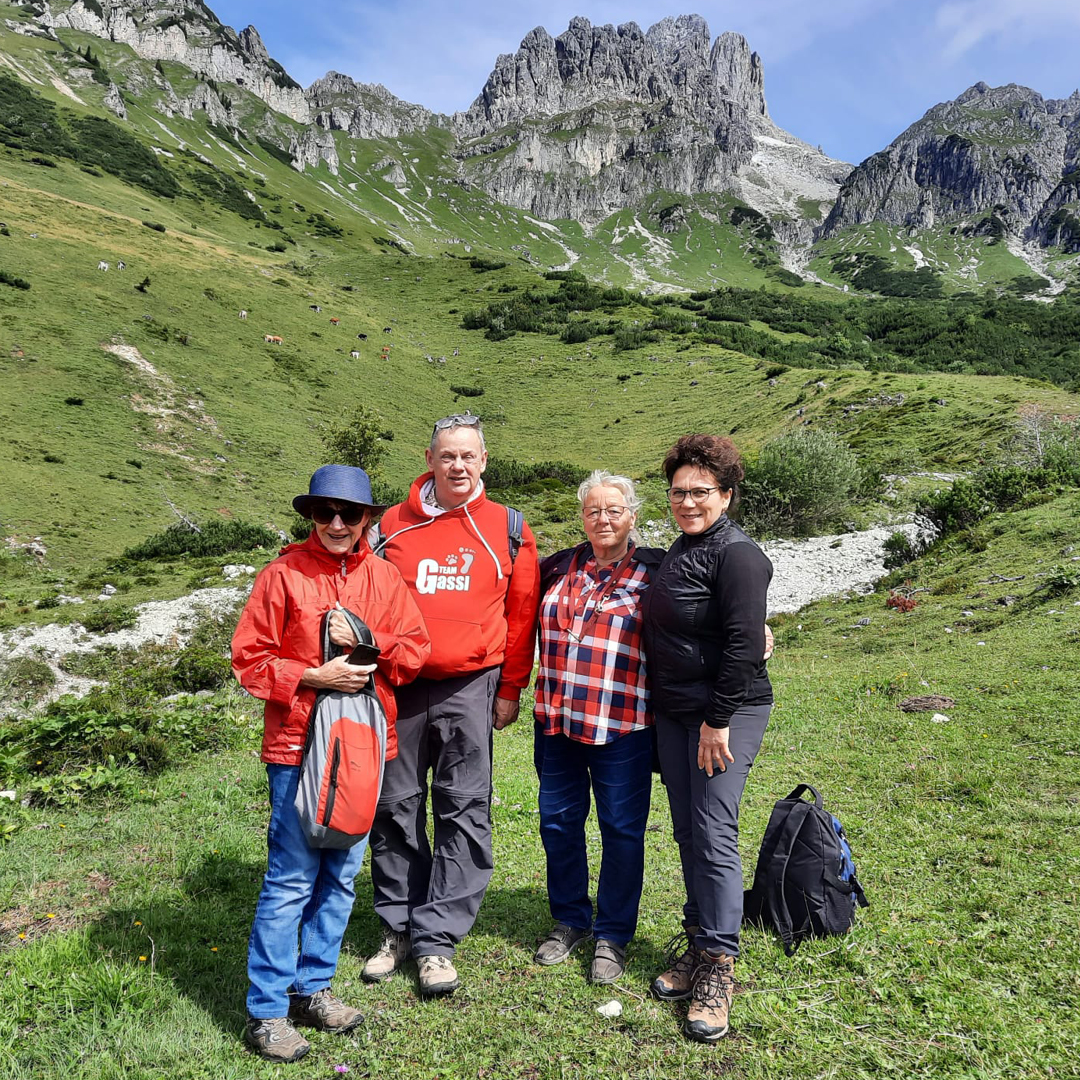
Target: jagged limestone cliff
598, 118
1005, 158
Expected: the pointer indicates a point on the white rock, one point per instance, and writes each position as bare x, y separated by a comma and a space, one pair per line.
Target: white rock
939, 718
108, 590
235, 570
610, 1009
7, 795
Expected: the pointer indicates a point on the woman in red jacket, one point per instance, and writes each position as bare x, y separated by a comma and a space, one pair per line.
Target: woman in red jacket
277, 657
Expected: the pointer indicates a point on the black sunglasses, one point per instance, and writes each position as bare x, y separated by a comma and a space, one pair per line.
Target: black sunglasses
454, 421
322, 513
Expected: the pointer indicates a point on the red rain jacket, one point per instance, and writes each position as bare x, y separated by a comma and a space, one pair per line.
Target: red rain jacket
478, 616
278, 636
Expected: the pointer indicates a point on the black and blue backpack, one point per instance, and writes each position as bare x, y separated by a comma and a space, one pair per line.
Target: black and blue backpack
804, 884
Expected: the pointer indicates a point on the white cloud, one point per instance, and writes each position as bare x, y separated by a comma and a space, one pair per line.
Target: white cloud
967, 24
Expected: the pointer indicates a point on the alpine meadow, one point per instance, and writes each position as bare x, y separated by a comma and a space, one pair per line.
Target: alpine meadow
214, 280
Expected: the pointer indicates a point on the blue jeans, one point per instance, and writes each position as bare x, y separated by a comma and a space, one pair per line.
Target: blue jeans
306, 890
621, 777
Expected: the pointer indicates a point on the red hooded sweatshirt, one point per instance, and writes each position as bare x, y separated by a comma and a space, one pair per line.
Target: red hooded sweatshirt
480, 608
278, 636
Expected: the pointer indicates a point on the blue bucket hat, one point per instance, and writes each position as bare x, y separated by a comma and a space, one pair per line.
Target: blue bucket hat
343, 483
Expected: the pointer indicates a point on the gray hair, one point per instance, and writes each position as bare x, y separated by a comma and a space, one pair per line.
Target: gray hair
602, 478
457, 420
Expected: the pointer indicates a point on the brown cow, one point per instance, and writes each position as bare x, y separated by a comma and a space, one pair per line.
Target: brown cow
273, 339
334, 322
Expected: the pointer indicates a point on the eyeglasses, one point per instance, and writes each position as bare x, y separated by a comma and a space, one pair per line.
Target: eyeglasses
612, 513
698, 494
322, 513
456, 420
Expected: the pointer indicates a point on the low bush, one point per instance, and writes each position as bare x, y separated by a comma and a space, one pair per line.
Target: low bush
13, 281
155, 225
108, 618
800, 483
503, 473
215, 537
899, 550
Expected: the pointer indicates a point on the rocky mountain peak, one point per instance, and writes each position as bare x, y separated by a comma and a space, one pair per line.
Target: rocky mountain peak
995, 159
675, 65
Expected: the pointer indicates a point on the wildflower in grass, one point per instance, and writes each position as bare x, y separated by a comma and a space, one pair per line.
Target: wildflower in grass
213, 948
341, 1068
142, 959
22, 937
138, 923
50, 915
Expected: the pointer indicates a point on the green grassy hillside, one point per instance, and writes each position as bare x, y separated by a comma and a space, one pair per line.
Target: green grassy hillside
128, 396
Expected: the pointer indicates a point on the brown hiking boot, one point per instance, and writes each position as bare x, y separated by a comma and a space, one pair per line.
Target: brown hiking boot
560, 942
275, 1039
392, 954
710, 1002
437, 975
324, 1012
682, 960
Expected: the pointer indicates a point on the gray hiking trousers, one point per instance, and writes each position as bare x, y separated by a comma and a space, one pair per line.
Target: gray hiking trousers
705, 820
434, 889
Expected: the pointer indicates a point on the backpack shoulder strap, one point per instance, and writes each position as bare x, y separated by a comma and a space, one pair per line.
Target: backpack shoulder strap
515, 522
777, 873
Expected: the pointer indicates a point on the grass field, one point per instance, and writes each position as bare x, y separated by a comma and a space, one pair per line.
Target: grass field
125, 926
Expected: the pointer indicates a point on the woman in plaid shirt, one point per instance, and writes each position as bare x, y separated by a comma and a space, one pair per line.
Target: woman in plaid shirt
593, 726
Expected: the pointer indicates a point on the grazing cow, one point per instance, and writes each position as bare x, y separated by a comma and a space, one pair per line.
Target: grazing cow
355, 354
457, 352
387, 330
361, 337
103, 265
120, 264
243, 314
315, 308
272, 339
334, 322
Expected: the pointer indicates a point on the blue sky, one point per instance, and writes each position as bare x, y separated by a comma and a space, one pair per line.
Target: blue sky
849, 75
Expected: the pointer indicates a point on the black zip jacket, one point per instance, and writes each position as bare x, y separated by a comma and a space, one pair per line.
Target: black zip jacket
705, 627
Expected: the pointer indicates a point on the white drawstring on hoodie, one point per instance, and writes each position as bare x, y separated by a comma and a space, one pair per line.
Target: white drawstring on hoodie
434, 511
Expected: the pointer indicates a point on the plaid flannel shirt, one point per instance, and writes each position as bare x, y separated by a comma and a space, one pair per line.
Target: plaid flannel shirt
591, 684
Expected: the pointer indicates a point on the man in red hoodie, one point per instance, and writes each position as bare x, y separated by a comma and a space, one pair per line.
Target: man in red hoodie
452, 547
307, 893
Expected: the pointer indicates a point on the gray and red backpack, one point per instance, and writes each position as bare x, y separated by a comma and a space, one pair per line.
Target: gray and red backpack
341, 770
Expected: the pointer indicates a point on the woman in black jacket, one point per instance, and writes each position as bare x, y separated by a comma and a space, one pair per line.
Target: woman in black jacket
705, 639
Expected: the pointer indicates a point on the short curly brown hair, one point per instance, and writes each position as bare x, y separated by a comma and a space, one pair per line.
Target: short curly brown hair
713, 453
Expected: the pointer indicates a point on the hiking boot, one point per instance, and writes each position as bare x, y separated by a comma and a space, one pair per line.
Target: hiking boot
324, 1012
561, 941
710, 1000
437, 975
275, 1039
608, 963
392, 954
682, 960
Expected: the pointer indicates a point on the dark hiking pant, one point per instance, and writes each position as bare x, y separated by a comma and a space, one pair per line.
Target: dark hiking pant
705, 820
433, 889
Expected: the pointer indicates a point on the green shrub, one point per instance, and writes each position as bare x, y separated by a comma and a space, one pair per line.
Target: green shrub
800, 483
359, 439
201, 668
502, 473
1061, 580
27, 674
899, 550
108, 618
467, 391
13, 281
215, 537
155, 225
